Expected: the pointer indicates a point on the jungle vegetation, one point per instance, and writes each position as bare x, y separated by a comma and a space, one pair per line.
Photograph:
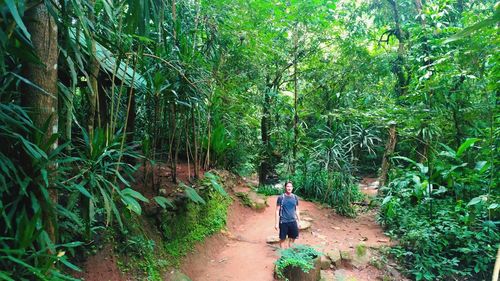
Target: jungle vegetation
319, 92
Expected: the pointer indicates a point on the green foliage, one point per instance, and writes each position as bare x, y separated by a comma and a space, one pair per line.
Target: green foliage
360, 250
217, 83
270, 190
444, 216
301, 256
27, 209
245, 200
192, 224
28, 249
139, 255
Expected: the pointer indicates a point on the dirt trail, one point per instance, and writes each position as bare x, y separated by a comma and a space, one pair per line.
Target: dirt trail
241, 253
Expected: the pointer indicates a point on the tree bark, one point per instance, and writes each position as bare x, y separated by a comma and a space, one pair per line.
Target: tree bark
195, 144
398, 67
295, 99
264, 128
93, 76
42, 104
389, 150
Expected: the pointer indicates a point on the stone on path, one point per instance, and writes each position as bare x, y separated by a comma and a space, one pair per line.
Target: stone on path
307, 219
346, 256
327, 275
325, 262
335, 258
251, 199
340, 274
176, 275
272, 239
304, 225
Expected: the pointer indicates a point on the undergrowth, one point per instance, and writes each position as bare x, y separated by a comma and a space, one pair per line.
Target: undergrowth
192, 224
301, 256
445, 216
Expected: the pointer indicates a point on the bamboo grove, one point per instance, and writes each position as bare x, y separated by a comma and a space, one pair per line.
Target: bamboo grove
318, 92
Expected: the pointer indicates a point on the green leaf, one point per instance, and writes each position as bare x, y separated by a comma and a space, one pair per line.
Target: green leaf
132, 204
5, 277
71, 244
464, 146
193, 195
493, 206
471, 29
68, 264
218, 187
82, 190
32, 269
45, 177
134, 194
15, 14
475, 200
211, 176
386, 199
405, 159
163, 202
482, 166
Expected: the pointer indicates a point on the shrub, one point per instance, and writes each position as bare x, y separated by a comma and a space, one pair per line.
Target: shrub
301, 256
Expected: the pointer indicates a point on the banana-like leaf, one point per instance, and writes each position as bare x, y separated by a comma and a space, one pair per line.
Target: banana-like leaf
109, 63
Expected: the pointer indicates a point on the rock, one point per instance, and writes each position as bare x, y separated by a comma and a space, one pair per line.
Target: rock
334, 256
325, 262
176, 275
304, 225
326, 275
258, 201
272, 239
296, 273
252, 199
307, 219
346, 256
340, 274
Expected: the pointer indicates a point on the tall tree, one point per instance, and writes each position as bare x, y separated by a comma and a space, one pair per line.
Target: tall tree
40, 97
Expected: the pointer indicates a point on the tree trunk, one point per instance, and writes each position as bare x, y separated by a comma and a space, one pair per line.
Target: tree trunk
93, 76
295, 99
264, 128
43, 104
130, 130
195, 144
398, 67
389, 150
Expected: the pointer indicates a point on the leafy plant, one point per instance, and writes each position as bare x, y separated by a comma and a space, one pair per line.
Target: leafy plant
301, 256
270, 190
443, 215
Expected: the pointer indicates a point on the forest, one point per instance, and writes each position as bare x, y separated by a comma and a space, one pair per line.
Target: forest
98, 96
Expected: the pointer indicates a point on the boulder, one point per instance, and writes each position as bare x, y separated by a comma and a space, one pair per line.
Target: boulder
325, 262
258, 201
296, 273
326, 275
273, 239
335, 258
346, 256
304, 225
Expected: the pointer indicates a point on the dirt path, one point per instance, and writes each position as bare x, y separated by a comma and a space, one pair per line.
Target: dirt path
241, 253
